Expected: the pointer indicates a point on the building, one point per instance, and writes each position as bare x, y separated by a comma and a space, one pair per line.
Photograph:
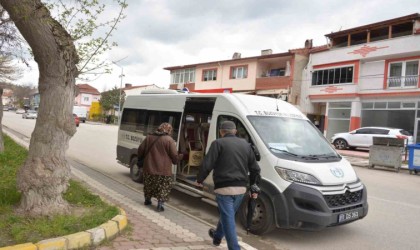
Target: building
86, 94
7, 98
273, 75
366, 76
129, 89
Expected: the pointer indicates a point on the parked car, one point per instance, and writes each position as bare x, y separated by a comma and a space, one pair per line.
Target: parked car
76, 120
363, 137
30, 114
20, 111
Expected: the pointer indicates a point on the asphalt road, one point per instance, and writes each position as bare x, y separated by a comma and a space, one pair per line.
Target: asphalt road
394, 203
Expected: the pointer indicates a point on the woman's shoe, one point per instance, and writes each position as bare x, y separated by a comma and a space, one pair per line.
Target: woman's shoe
147, 202
160, 206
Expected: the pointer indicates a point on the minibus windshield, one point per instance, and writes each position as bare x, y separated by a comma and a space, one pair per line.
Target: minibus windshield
293, 138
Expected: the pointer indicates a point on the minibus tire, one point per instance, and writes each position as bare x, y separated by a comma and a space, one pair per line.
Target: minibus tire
266, 216
136, 173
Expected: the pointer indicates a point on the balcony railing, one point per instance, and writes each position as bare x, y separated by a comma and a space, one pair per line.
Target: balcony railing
403, 81
273, 82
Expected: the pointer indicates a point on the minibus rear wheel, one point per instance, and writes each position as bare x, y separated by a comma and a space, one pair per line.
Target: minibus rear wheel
263, 218
136, 173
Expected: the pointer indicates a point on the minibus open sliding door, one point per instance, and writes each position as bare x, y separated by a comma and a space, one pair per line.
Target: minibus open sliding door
195, 124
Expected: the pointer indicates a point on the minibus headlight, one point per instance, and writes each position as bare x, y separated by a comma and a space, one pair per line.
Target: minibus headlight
295, 176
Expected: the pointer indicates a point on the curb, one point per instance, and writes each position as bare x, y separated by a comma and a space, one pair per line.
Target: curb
92, 237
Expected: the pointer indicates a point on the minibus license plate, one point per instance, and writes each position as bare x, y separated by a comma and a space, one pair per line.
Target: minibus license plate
353, 215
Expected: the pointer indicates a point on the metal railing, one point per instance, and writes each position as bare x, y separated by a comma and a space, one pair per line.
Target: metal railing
403, 81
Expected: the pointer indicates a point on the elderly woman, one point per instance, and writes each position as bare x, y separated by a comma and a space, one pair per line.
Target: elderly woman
160, 153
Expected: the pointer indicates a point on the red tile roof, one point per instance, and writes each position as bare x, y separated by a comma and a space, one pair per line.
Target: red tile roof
86, 88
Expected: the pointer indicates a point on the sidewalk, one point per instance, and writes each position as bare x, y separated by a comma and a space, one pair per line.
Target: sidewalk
360, 158
148, 229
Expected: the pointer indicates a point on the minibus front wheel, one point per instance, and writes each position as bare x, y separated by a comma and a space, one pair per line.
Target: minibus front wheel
263, 217
136, 173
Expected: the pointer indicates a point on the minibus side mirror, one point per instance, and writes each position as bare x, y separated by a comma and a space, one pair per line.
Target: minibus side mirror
256, 152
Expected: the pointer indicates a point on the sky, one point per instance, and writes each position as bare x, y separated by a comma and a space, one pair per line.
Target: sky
162, 33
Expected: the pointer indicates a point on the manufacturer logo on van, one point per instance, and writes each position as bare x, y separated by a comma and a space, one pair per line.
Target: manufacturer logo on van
337, 172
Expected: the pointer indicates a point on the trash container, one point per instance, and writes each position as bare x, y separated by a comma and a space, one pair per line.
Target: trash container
386, 152
414, 158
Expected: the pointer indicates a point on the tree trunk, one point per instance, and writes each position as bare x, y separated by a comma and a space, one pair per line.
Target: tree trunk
44, 176
1, 118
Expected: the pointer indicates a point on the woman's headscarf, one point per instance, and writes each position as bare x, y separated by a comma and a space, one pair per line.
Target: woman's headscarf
164, 128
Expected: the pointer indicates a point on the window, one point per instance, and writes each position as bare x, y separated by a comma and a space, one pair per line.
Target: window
239, 72
209, 75
85, 99
240, 128
403, 74
138, 120
277, 72
134, 120
155, 118
333, 76
183, 75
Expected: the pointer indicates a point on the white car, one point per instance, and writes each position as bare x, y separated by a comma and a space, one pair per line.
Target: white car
363, 137
20, 111
30, 114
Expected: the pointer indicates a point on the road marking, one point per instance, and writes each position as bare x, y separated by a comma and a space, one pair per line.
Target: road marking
394, 202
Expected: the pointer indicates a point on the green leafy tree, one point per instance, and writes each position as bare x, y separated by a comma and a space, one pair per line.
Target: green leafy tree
110, 99
45, 174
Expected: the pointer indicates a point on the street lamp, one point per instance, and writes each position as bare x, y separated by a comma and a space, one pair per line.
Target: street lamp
119, 100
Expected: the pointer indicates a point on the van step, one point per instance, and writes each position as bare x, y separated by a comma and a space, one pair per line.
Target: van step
187, 190
208, 201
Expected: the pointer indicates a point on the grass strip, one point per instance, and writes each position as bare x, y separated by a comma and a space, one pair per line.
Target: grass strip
88, 210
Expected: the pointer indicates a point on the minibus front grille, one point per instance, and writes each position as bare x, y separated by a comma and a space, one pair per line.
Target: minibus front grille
347, 198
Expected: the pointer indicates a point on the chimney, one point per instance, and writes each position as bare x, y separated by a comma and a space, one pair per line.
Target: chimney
128, 85
265, 52
236, 55
308, 44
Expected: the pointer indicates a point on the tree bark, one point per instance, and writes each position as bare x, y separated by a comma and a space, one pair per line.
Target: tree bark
45, 174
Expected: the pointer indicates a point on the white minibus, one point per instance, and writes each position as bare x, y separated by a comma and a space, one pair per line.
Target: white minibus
305, 183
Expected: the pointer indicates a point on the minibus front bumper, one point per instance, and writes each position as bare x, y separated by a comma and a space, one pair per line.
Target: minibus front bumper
309, 209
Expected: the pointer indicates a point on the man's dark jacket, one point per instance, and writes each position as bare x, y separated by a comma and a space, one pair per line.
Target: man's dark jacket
231, 158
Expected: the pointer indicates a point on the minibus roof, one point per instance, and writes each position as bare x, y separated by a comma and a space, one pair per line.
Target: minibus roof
244, 103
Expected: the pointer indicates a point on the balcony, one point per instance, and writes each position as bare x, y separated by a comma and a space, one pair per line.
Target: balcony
401, 81
189, 85
273, 82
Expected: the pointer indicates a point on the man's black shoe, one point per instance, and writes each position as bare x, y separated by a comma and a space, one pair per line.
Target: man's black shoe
147, 202
216, 242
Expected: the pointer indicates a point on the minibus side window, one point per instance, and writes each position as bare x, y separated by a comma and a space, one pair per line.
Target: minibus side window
155, 118
133, 120
241, 131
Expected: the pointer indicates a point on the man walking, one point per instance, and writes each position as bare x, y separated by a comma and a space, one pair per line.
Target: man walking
231, 159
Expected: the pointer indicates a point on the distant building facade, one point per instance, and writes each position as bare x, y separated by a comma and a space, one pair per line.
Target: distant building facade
273, 75
366, 76
129, 89
86, 95
7, 98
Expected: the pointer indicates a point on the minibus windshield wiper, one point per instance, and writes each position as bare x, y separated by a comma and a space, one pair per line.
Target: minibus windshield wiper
284, 151
323, 156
